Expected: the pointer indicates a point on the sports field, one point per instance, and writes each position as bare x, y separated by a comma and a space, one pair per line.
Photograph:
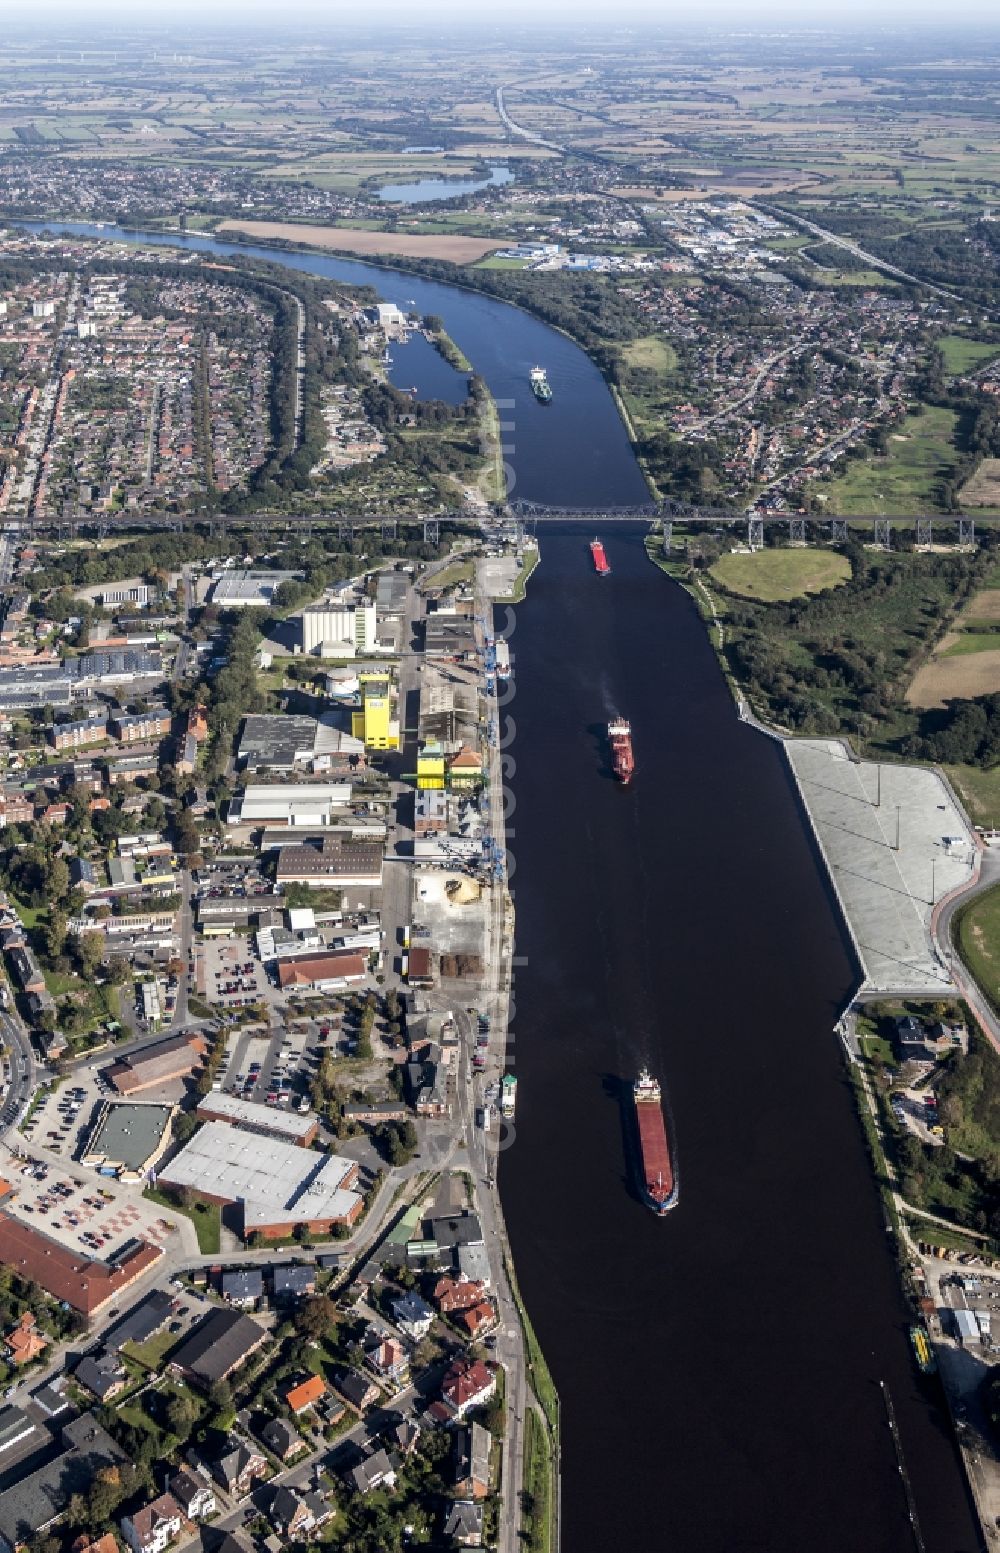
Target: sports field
771, 576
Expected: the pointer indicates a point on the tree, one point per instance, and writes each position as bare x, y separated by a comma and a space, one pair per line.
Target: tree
89, 949
220, 1394
316, 1316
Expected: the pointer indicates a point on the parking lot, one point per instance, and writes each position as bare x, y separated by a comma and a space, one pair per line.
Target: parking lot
233, 976
79, 1209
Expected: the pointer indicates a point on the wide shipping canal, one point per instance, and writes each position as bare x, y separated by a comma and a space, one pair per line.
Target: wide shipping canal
719, 1370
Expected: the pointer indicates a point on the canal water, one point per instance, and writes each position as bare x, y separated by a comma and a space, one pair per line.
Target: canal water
720, 1370
571, 451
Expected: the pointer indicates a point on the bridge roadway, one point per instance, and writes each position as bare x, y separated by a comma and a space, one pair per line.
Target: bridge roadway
523, 514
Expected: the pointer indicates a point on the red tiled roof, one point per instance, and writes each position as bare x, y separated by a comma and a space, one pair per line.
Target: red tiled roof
304, 1395
84, 1284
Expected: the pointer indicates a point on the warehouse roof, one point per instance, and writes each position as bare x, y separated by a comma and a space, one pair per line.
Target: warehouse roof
219, 1345
279, 1184
129, 1134
86, 1285
142, 1322
249, 1114
34, 1502
277, 741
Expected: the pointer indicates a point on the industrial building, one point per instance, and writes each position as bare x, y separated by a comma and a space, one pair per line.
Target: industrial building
326, 972
287, 743
176, 1057
278, 1189
84, 1284
374, 724
313, 804
265, 1120
338, 630
128, 1140
247, 589
336, 860
218, 1346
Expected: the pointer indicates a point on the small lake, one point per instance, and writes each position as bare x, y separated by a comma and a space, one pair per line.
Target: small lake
442, 188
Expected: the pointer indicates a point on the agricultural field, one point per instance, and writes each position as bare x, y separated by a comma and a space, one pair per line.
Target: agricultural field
908, 479
982, 489
964, 355
770, 576
966, 662
457, 250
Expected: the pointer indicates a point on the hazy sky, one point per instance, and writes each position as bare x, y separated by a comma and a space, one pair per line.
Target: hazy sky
747, 14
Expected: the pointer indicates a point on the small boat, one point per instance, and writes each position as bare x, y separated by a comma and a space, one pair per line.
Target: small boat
922, 1350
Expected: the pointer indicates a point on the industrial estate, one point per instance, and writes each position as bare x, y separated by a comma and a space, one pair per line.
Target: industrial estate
267, 521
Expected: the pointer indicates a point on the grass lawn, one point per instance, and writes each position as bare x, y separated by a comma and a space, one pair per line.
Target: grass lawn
451, 576
531, 560
979, 790
961, 354
152, 1353
921, 454
205, 1217
650, 353
772, 575
537, 1500
978, 939
973, 641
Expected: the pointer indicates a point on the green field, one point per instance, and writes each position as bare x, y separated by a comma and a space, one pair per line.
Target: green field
979, 791
961, 355
973, 641
206, 1218
921, 455
773, 575
650, 353
978, 939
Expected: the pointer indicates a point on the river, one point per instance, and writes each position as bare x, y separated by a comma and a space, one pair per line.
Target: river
571, 451
720, 1369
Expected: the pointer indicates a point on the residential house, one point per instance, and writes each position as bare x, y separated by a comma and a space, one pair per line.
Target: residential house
295, 1515
452, 1294
387, 1357
24, 1341
84, 1544
375, 1470
282, 1439
471, 1461
239, 1467
292, 1283
356, 1389
463, 1523
195, 1496
412, 1315
243, 1287
480, 1319
102, 1374
467, 1383
223, 1341
304, 1395
154, 1527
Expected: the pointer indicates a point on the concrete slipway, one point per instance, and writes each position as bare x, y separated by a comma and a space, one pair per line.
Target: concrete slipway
887, 894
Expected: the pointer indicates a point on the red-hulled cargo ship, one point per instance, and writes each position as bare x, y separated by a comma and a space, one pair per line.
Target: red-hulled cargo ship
622, 758
601, 565
658, 1183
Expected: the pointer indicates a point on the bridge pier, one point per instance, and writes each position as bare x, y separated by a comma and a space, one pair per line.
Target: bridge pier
925, 531
883, 533
755, 533
432, 531
796, 531
390, 529
838, 531
966, 531
668, 535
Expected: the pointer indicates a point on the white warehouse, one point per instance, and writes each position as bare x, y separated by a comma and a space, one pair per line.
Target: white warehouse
338, 630
310, 804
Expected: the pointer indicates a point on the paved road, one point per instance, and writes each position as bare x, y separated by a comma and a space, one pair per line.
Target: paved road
24, 1069
941, 930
